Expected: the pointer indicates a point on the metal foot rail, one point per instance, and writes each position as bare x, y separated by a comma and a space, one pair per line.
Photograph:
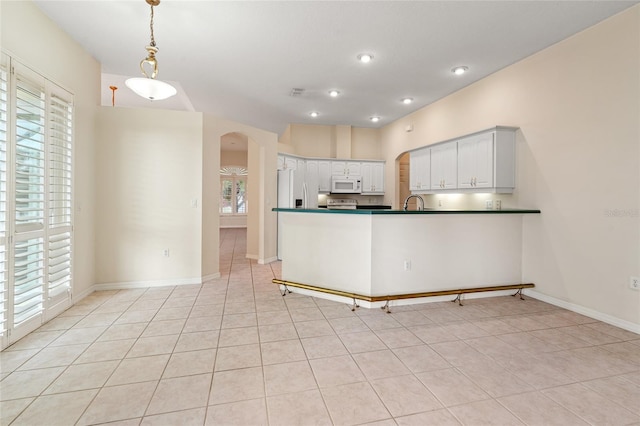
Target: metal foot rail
355, 297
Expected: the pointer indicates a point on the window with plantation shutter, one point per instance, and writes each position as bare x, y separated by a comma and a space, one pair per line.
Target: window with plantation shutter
4, 76
29, 155
60, 139
36, 200
60, 193
29, 201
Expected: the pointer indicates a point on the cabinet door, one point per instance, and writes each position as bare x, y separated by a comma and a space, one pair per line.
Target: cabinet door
420, 169
324, 176
444, 166
367, 182
466, 162
484, 147
338, 168
377, 177
311, 180
475, 161
353, 168
291, 163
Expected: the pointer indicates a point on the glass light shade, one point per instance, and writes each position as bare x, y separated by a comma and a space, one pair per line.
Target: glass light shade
152, 89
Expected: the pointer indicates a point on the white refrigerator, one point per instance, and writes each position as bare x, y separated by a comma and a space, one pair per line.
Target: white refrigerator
296, 189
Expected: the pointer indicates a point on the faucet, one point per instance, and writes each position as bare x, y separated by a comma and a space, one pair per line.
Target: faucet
406, 202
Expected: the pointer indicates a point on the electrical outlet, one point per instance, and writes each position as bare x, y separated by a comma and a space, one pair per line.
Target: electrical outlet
165, 252
407, 265
498, 204
488, 204
634, 283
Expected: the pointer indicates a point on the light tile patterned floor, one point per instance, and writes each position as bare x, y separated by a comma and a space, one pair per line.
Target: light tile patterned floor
234, 351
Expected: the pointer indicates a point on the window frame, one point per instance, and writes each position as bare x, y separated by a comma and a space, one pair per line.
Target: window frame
235, 174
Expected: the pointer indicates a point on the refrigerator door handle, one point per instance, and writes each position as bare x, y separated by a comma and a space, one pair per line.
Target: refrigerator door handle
304, 195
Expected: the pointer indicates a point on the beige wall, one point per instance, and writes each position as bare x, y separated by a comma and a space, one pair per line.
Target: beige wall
365, 144
148, 186
331, 142
52, 53
261, 221
233, 158
577, 104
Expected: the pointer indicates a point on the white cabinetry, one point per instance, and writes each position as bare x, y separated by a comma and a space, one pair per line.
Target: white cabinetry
420, 170
345, 168
486, 161
287, 163
311, 183
315, 174
372, 177
444, 165
475, 161
481, 162
324, 176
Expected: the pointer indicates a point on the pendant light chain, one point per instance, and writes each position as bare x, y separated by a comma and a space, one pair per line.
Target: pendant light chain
153, 40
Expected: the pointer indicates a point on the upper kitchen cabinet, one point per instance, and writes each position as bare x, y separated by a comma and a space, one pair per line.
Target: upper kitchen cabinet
481, 162
444, 166
324, 176
486, 161
346, 168
312, 178
372, 177
287, 163
420, 170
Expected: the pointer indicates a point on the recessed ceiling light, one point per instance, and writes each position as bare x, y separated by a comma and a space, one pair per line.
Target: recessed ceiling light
459, 70
374, 119
314, 114
333, 93
407, 101
365, 57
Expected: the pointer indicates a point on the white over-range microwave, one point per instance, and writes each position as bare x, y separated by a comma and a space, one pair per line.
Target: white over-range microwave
346, 184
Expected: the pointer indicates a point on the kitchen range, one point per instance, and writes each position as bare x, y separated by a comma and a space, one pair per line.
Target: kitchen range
342, 204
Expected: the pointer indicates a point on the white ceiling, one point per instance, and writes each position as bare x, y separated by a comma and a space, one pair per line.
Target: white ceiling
241, 59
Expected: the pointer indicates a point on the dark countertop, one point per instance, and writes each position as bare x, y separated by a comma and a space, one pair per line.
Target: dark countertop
402, 212
366, 207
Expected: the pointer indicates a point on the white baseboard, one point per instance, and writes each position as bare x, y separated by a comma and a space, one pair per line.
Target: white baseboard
267, 261
143, 284
252, 256
591, 313
78, 296
210, 277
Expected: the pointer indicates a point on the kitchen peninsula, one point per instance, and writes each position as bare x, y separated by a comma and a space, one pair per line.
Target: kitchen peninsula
393, 252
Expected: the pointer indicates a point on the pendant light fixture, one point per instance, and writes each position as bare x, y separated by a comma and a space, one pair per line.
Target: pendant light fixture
148, 87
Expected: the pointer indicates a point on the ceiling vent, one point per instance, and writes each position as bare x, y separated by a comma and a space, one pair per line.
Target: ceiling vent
296, 92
